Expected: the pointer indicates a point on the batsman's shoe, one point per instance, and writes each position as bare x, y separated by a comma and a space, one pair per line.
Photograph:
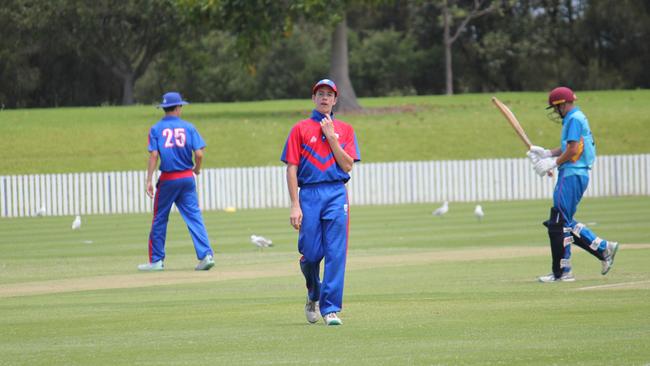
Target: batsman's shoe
566, 277
152, 267
311, 311
610, 253
332, 319
205, 264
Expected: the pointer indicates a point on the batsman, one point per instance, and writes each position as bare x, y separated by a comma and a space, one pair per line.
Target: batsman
573, 159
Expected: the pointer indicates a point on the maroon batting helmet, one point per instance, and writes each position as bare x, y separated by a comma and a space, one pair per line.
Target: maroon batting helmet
560, 95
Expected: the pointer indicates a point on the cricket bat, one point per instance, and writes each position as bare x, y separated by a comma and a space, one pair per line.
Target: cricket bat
513, 121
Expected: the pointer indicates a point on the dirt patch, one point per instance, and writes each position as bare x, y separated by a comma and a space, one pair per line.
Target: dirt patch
445, 256
137, 279
407, 108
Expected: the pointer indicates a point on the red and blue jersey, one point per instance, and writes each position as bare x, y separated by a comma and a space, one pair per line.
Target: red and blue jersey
307, 147
175, 140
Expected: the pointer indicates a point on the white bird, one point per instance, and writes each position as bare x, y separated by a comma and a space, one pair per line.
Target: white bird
76, 224
40, 212
261, 242
478, 212
442, 209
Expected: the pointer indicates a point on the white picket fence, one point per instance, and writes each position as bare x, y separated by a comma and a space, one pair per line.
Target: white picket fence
265, 187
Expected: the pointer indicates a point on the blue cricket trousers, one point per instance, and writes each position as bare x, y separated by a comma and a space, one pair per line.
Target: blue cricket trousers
178, 188
324, 234
566, 197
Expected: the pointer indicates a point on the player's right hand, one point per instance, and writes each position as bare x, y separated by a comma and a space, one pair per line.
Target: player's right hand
149, 189
295, 218
545, 166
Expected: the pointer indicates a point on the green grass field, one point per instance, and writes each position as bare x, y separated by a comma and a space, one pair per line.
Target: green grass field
464, 126
420, 290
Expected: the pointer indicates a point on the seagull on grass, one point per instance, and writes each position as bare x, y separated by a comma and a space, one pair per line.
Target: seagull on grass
40, 212
76, 224
442, 209
261, 242
478, 212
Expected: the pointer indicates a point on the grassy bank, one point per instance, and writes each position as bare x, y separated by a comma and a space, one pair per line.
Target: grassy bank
253, 133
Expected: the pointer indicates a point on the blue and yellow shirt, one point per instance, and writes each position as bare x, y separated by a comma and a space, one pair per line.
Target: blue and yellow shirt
575, 127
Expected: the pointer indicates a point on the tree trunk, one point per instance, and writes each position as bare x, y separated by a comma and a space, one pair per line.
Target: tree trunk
128, 81
347, 99
449, 74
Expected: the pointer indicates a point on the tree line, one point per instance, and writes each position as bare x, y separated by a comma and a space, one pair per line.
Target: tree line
110, 52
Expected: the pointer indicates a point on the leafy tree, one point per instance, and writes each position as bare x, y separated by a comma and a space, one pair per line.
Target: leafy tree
615, 39
125, 35
41, 62
288, 68
382, 63
256, 23
17, 77
209, 68
83, 52
453, 11
339, 69
204, 68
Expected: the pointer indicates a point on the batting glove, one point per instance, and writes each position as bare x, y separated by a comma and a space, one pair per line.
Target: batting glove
536, 153
543, 166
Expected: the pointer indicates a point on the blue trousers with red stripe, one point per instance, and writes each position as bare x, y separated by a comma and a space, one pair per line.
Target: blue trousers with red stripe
566, 197
324, 234
182, 192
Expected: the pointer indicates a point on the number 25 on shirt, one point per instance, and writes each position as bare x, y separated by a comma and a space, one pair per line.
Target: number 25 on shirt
174, 138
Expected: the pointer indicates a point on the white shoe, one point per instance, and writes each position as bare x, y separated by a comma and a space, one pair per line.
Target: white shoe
151, 267
610, 253
566, 277
311, 311
205, 264
332, 319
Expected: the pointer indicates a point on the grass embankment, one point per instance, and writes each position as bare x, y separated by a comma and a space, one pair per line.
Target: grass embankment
253, 133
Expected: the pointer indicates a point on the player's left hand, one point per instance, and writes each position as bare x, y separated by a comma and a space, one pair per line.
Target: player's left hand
534, 158
537, 153
545, 166
327, 126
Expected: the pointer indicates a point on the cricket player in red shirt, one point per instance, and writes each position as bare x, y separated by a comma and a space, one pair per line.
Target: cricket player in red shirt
320, 152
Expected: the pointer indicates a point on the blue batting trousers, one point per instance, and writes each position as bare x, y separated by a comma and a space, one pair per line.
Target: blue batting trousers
566, 197
182, 192
324, 234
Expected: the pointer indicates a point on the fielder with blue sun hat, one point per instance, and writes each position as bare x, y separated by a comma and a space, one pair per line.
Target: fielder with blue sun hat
174, 140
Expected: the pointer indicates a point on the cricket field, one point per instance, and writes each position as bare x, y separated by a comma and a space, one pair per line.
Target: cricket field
420, 290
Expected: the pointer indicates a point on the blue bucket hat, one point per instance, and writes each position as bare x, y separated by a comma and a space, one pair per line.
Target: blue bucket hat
171, 99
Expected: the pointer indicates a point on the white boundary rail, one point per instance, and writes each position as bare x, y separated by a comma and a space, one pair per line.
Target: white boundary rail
371, 184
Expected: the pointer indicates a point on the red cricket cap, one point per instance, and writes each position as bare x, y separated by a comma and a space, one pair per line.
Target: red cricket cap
560, 95
326, 82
